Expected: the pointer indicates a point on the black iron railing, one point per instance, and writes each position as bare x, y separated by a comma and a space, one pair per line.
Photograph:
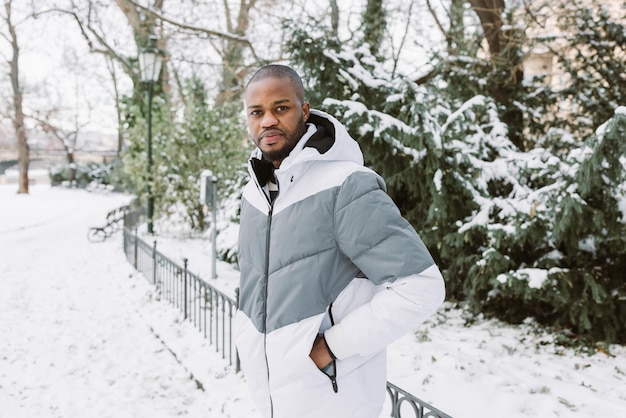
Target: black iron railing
402, 401
211, 312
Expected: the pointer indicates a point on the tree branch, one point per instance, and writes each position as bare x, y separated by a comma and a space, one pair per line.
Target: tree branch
86, 30
223, 35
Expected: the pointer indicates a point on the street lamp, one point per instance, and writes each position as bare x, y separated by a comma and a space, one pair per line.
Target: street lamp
150, 61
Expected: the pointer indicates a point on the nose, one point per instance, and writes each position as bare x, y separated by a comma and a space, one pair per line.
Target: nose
268, 120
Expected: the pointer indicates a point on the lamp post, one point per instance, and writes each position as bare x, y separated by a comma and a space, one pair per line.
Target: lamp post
150, 61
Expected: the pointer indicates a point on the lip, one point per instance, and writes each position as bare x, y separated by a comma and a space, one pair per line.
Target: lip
271, 137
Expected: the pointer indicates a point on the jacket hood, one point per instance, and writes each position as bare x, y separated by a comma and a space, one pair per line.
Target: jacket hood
325, 140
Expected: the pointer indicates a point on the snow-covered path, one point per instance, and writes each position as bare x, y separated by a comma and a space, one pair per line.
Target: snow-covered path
75, 342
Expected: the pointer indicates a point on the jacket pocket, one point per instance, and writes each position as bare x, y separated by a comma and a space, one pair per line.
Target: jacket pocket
331, 369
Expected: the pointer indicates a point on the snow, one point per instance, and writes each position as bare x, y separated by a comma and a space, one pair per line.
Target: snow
437, 179
84, 335
621, 205
382, 122
535, 277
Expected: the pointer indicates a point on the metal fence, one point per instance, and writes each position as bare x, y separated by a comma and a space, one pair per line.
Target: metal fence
405, 405
212, 313
210, 310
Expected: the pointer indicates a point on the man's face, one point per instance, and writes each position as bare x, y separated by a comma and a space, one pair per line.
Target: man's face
276, 117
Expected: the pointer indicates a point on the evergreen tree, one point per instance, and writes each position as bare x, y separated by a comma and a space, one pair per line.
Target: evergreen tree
205, 138
374, 25
593, 62
208, 137
519, 234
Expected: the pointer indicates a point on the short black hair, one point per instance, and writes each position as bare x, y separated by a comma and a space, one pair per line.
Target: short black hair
279, 71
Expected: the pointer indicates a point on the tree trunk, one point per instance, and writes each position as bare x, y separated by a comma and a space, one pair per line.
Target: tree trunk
118, 107
232, 72
142, 23
490, 14
334, 18
71, 165
507, 64
142, 20
23, 152
375, 23
23, 156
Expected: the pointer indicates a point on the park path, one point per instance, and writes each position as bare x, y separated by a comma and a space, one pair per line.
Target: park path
74, 342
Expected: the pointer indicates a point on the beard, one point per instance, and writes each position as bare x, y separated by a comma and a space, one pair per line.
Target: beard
291, 139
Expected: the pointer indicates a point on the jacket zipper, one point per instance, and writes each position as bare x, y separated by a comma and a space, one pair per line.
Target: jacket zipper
267, 281
333, 377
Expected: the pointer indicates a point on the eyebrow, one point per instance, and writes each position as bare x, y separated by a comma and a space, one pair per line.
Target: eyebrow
274, 103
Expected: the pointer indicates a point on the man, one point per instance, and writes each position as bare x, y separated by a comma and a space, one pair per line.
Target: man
330, 271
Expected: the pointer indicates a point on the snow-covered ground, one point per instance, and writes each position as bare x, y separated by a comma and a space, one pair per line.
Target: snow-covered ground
83, 335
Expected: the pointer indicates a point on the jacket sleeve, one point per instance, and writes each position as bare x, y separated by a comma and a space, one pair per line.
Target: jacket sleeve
398, 309
384, 246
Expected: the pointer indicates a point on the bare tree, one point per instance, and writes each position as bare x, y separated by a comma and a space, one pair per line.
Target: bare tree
142, 24
67, 139
230, 46
118, 108
88, 20
63, 120
17, 111
233, 71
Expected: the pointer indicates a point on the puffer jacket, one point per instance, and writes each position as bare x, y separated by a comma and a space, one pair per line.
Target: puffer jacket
331, 255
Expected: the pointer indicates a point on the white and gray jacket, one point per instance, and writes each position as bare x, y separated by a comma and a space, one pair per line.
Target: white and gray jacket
330, 255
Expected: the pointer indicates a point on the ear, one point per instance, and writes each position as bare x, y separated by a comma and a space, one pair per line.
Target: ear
306, 110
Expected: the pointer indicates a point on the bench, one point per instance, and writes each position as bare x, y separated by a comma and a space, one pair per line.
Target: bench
113, 222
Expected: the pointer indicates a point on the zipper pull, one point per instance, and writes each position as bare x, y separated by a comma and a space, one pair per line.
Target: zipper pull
331, 372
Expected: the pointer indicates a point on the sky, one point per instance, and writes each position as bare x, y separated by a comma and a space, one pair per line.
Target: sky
84, 335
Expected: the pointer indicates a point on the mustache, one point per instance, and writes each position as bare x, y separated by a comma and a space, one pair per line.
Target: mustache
271, 132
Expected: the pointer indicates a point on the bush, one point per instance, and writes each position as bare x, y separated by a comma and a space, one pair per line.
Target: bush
89, 174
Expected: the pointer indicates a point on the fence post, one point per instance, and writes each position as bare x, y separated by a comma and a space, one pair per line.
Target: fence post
237, 361
214, 227
185, 285
136, 239
154, 265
